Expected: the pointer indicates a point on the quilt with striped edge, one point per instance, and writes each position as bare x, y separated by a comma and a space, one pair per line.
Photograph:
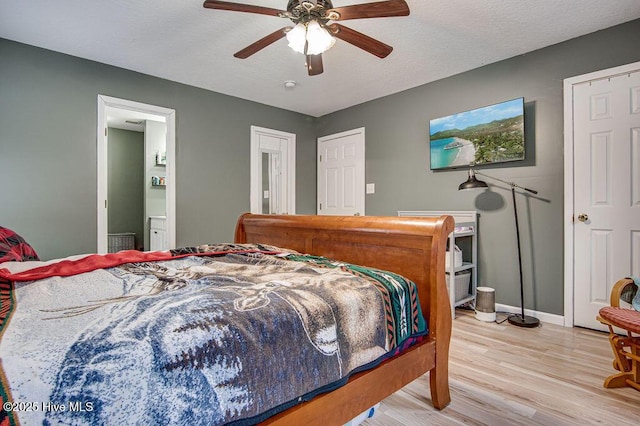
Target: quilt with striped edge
214, 334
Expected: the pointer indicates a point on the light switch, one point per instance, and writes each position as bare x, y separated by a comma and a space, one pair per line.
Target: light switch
371, 188
265, 194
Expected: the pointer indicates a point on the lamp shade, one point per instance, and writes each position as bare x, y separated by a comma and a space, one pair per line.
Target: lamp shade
297, 37
472, 182
311, 35
318, 38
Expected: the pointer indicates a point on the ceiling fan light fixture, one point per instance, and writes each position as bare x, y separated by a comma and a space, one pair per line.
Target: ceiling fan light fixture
297, 37
318, 38
311, 33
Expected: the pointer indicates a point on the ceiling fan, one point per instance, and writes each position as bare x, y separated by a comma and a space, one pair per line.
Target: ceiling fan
312, 35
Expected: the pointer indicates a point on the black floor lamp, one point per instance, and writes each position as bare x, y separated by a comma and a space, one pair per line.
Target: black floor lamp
472, 183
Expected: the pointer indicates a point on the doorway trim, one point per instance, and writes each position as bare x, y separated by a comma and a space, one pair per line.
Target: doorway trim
569, 182
104, 103
255, 191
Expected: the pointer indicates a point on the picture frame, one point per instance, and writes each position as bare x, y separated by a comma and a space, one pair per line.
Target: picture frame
486, 135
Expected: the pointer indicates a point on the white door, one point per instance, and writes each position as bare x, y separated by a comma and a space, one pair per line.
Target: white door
272, 171
606, 131
341, 180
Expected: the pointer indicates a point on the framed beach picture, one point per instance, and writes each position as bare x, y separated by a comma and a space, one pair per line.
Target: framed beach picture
491, 134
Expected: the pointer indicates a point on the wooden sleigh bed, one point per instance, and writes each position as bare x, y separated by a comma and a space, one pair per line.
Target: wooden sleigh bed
158, 320
413, 247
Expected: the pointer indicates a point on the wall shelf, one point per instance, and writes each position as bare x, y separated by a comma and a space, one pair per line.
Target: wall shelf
158, 181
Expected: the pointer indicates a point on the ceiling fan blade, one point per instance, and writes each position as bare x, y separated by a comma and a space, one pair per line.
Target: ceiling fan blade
262, 43
380, 9
360, 40
238, 7
314, 64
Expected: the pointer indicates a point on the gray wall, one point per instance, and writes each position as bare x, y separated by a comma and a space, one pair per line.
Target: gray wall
48, 153
48, 110
126, 183
397, 157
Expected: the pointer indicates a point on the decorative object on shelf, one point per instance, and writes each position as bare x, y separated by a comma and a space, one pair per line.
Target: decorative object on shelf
158, 181
521, 320
486, 304
161, 158
492, 134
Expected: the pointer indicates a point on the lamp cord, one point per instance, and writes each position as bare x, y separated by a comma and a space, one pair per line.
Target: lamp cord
471, 307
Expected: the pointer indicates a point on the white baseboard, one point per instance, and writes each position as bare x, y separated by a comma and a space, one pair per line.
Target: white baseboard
542, 316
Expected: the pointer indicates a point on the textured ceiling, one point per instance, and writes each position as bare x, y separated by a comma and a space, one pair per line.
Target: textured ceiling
184, 42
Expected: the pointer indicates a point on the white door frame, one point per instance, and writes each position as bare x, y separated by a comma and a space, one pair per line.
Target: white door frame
569, 181
255, 191
104, 103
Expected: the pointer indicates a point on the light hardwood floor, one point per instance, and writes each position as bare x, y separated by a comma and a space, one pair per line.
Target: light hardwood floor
500, 374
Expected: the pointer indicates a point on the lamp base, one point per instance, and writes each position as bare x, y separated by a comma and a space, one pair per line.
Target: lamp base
526, 321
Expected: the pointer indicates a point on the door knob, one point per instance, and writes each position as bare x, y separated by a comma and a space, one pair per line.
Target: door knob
583, 217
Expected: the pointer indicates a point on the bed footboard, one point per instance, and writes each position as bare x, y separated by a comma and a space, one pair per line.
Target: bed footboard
412, 246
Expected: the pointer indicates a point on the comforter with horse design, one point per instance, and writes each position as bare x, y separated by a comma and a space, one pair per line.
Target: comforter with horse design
206, 335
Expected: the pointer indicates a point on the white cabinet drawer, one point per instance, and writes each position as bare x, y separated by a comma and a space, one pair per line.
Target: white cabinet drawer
158, 223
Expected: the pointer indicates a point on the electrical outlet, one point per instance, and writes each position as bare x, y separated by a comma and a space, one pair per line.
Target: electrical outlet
371, 188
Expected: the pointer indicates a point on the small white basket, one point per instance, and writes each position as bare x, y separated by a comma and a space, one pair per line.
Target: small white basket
461, 284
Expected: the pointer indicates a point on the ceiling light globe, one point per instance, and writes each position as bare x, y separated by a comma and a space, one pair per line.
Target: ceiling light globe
296, 37
318, 38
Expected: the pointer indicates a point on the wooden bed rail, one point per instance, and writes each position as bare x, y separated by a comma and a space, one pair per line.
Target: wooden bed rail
411, 246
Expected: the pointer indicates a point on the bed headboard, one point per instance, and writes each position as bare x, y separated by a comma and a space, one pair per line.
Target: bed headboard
411, 246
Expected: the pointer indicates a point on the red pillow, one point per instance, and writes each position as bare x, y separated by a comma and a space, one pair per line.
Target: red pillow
14, 248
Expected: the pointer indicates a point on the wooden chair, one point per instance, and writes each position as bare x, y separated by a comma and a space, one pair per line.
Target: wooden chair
626, 348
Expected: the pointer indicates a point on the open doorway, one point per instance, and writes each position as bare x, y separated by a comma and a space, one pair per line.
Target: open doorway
273, 171
158, 175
